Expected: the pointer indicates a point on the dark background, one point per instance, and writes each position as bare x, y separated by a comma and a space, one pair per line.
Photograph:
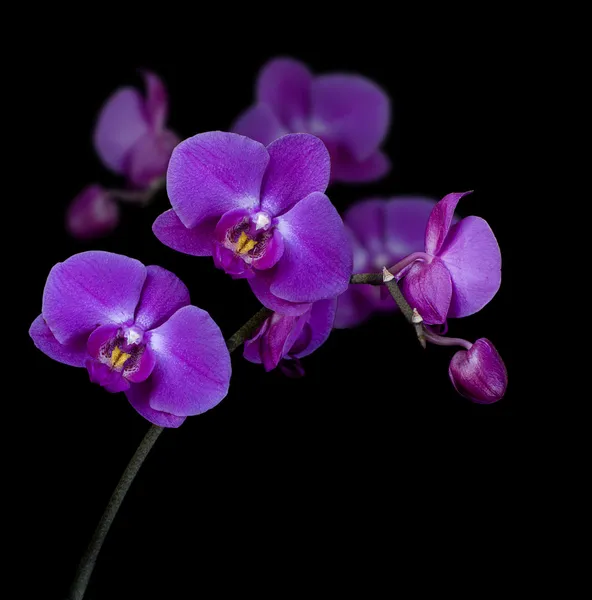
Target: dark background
318, 455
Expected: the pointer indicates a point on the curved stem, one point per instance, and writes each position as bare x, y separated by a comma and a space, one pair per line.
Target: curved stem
87, 563
439, 340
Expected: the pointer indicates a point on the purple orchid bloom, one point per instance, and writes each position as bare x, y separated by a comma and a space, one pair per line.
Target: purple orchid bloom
134, 330
383, 232
93, 213
282, 340
479, 373
130, 136
350, 113
460, 271
262, 214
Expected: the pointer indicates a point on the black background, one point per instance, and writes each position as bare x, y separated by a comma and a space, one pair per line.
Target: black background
316, 456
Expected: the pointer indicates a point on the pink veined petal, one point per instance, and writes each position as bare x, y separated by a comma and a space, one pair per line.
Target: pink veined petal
138, 395
353, 308
479, 374
192, 371
345, 168
427, 287
406, 221
196, 241
299, 165
440, 220
149, 158
90, 289
259, 123
121, 123
73, 354
157, 101
282, 332
317, 261
284, 84
354, 110
214, 172
260, 286
473, 259
322, 316
93, 213
162, 296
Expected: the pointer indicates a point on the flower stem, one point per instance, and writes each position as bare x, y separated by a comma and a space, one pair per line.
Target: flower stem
87, 563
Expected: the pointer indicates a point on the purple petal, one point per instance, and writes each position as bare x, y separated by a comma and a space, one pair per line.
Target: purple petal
347, 169
93, 213
172, 233
162, 296
368, 222
112, 381
121, 123
214, 172
355, 111
479, 374
440, 221
229, 262
252, 347
284, 84
473, 258
428, 288
406, 221
149, 158
99, 337
157, 102
91, 289
73, 354
299, 165
281, 334
259, 123
139, 395
353, 308
192, 371
143, 367
320, 324
260, 286
274, 250
317, 260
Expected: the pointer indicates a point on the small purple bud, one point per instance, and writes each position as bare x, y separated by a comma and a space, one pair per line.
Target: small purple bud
479, 373
92, 214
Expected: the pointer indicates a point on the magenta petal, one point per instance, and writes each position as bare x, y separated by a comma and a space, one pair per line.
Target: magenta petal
320, 322
440, 220
192, 371
347, 169
90, 289
281, 334
367, 220
428, 288
274, 250
143, 367
162, 296
252, 347
317, 260
406, 221
355, 111
93, 213
299, 165
473, 258
284, 84
113, 381
121, 123
99, 337
214, 172
172, 233
157, 102
73, 354
479, 374
149, 158
139, 395
353, 308
260, 286
259, 123
232, 264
